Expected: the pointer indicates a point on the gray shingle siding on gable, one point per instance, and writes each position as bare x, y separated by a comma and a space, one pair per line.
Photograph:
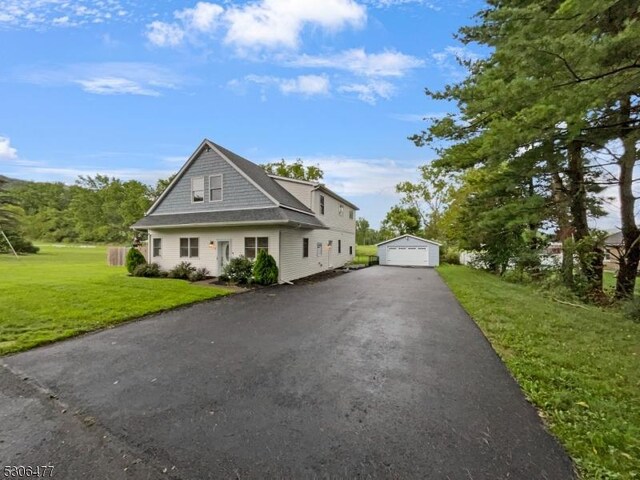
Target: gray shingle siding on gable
260, 177
238, 192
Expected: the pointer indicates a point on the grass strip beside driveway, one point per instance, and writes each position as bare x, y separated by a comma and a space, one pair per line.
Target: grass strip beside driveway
580, 367
67, 290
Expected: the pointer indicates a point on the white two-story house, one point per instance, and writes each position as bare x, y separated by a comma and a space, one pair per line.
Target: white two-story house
221, 206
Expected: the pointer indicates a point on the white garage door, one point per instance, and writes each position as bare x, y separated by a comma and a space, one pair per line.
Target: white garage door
412, 256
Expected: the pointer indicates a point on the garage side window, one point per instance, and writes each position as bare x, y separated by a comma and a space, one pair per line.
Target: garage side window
157, 247
319, 249
305, 247
350, 249
339, 246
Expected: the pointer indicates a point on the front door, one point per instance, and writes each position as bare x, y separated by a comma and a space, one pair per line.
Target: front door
223, 256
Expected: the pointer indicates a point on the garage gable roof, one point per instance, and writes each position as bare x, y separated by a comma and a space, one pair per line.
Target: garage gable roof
411, 236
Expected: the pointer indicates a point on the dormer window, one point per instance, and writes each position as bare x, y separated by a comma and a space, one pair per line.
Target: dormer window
197, 190
321, 204
215, 188
341, 210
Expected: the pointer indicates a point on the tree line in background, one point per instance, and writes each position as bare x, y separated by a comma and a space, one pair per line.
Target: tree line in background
546, 122
98, 209
94, 209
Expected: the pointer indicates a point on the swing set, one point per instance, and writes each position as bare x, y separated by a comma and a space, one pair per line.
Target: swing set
7, 240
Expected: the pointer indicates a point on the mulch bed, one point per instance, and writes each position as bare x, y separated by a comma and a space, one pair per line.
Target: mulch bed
320, 277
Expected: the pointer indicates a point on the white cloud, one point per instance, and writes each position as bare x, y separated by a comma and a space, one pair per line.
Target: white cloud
307, 85
115, 86
164, 34
371, 91
203, 17
111, 78
448, 60
400, 3
58, 13
260, 24
279, 23
7, 152
362, 176
385, 64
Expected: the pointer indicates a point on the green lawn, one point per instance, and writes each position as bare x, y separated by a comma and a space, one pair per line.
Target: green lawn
363, 252
580, 367
64, 291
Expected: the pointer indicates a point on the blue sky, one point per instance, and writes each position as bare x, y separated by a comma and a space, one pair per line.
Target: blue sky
130, 88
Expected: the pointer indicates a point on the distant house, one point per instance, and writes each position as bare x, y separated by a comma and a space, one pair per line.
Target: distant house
613, 247
221, 206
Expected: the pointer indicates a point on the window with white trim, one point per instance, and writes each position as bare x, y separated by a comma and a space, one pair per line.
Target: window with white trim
253, 245
319, 249
350, 214
215, 188
305, 247
157, 247
321, 204
341, 210
197, 190
189, 247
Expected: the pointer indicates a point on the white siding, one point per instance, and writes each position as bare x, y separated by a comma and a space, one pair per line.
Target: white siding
331, 217
299, 190
294, 265
208, 257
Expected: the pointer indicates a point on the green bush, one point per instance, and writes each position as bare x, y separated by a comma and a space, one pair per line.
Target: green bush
199, 274
182, 271
631, 309
150, 270
451, 257
265, 270
19, 243
134, 258
239, 270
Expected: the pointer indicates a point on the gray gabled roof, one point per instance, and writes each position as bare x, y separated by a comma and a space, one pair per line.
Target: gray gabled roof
323, 188
262, 179
613, 239
275, 216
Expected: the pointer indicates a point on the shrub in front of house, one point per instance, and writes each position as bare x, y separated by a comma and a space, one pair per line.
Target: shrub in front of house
198, 275
265, 270
238, 270
134, 259
182, 271
149, 270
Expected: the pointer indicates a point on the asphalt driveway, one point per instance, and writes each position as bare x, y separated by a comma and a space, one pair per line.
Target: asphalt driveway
378, 373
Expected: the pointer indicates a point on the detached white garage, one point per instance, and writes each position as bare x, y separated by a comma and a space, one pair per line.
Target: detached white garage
409, 251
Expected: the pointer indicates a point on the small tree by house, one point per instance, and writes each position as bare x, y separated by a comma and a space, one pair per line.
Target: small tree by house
134, 259
265, 270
